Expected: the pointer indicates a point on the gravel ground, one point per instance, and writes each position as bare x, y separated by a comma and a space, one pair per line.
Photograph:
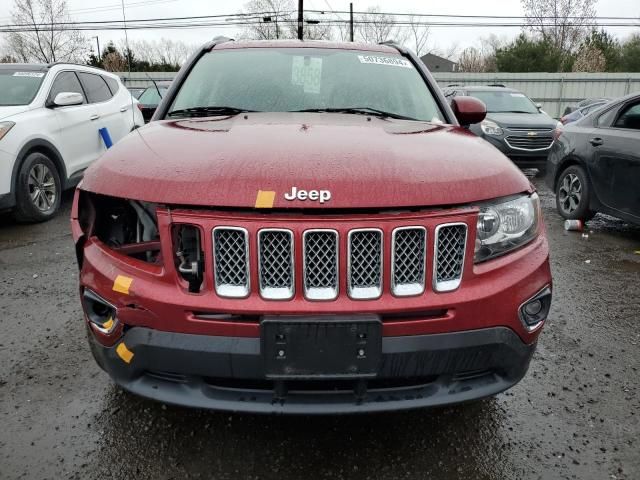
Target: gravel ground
575, 415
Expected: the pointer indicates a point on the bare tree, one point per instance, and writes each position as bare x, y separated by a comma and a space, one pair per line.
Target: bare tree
471, 60
375, 27
564, 22
274, 19
42, 35
418, 35
114, 62
164, 51
590, 59
488, 48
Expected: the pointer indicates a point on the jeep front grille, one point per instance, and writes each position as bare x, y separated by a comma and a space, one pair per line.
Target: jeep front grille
231, 261
451, 240
365, 263
274, 268
275, 263
408, 257
320, 257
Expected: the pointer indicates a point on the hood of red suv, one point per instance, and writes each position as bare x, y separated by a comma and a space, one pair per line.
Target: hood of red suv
364, 162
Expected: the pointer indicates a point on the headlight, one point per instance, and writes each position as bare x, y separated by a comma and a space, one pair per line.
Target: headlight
505, 226
5, 127
491, 128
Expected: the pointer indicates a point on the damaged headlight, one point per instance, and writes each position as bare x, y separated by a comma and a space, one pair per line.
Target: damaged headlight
505, 226
129, 227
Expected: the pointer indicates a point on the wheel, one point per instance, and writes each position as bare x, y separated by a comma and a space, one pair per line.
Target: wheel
38, 189
573, 194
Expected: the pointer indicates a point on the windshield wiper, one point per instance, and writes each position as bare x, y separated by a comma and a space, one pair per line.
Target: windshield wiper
357, 111
207, 111
510, 111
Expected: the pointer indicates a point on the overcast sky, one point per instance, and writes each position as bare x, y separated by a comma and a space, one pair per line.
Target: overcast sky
441, 38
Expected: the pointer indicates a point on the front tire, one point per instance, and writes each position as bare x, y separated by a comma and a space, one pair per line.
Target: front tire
573, 194
38, 189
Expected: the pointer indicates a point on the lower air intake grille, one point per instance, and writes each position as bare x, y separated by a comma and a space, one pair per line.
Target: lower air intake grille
275, 256
365, 264
320, 251
449, 256
231, 257
408, 262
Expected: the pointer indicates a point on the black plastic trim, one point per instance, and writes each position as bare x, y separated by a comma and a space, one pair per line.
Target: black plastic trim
205, 365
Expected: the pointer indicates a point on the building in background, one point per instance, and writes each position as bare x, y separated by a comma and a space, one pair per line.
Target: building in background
439, 64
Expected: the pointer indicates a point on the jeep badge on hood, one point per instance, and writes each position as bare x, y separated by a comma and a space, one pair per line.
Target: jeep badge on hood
313, 195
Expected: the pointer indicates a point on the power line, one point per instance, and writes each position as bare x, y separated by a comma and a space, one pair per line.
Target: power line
115, 6
442, 15
247, 19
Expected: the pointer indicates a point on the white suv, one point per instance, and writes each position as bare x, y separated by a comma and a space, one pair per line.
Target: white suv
51, 117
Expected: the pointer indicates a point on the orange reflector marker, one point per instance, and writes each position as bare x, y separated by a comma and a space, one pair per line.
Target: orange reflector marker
121, 284
108, 324
124, 353
265, 199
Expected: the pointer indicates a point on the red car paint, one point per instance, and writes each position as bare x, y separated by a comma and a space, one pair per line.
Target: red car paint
367, 164
382, 174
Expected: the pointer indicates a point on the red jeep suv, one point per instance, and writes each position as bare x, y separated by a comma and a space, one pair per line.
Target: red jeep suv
308, 227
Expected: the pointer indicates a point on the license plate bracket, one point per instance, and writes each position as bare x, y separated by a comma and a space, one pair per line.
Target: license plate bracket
308, 347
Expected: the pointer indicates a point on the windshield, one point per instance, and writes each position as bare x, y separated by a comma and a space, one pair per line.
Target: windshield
294, 79
150, 95
19, 87
504, 101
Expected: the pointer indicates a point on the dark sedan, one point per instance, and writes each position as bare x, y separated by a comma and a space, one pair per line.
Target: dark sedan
594, 166
150, 99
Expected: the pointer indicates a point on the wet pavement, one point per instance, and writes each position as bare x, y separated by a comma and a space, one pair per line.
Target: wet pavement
575, 415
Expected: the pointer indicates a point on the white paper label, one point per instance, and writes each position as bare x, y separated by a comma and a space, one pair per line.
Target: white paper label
307, 71
392, 61
29, 74
519, 95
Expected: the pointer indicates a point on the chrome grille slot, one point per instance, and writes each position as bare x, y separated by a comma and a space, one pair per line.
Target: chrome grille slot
531, 143
365, 263
451, 240
231, 261
529, 129
320, 257
275, 264
408, 257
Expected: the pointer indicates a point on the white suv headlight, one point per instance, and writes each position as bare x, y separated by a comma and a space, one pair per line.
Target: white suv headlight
491, 128
505, 226
5, 127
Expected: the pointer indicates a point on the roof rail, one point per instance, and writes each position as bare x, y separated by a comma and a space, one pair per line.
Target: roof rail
497, 85
216, 41
394, 44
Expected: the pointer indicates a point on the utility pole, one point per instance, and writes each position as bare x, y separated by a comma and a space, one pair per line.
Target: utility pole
300, 18
98, 43
351, 21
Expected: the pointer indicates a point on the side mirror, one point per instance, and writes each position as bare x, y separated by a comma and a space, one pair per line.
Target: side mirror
539, 106
65, 99
468, 110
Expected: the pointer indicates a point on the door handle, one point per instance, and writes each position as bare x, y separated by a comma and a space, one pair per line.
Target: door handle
596, 142
123, 109
94, 117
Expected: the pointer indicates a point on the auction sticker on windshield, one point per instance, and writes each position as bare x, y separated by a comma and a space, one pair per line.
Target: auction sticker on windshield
392, 61
307, 71
29, 74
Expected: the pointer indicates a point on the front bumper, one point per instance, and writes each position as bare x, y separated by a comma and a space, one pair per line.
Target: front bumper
522, 158
227, 373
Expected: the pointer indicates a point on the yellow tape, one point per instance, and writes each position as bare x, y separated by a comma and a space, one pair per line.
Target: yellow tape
108, 324
265, 199
124, 353
121, 284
